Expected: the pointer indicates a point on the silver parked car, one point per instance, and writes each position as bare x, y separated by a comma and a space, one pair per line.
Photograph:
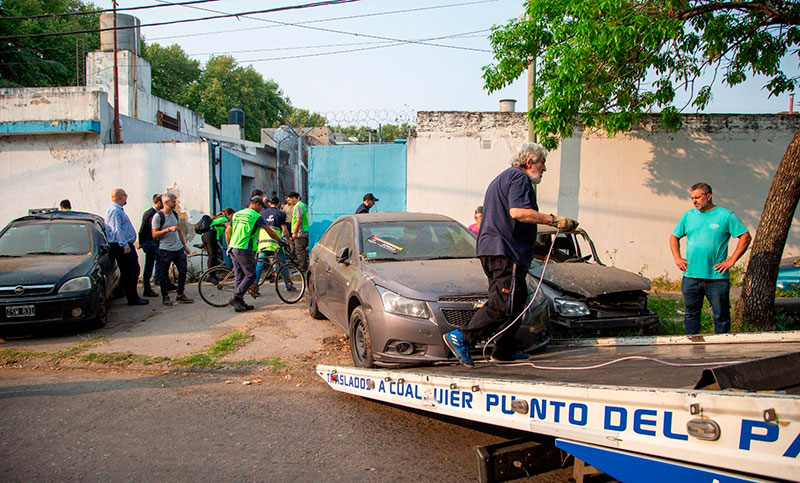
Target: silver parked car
581, 291
395, 282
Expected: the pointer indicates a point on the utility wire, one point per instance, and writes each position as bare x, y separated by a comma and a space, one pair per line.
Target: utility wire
348, 17
172, 22
342, 32
108, 10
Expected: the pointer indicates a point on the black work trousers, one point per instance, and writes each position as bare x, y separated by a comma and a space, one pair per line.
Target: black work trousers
150, 249
508, 293
212, 248
165, 259
128, 264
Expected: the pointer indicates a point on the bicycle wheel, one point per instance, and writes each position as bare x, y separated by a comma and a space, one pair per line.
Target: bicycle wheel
267, 272
290, 284
216, 286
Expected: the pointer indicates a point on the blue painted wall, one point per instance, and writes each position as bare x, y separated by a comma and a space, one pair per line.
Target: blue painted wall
231, 181
339, 176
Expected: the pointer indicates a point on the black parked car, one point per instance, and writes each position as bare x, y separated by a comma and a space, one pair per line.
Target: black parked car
54, 269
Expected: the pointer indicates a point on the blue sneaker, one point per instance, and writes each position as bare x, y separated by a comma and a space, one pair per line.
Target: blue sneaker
517, 356
456, 342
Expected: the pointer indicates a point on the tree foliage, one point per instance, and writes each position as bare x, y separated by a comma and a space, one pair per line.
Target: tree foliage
50, 61
304, 118
385, 133
603, 63
172, 71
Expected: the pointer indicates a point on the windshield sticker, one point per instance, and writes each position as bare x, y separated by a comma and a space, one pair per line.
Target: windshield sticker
370, 255
391, 247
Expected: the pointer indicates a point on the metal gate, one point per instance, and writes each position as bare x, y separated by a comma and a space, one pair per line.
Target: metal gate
339, 176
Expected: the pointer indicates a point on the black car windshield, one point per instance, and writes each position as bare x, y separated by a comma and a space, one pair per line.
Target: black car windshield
416, 240
46, 238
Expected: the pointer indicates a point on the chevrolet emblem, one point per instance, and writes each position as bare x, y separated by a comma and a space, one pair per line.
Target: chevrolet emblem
19, 290
480, 303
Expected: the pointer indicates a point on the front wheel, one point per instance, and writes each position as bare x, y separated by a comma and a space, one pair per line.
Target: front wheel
290, 283
360, 345
313, 306
216, 286
101, 319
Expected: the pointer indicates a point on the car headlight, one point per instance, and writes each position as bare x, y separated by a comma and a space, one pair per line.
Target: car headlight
397, 304
570, 308
78, 284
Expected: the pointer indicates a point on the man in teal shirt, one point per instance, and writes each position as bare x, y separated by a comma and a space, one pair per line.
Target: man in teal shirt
707, 229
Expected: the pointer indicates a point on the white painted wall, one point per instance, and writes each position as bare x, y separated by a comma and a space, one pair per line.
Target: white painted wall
627, 191
38, 172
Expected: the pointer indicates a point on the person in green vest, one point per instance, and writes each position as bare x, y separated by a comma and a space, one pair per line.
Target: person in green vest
213, 238
242, 238
299, 229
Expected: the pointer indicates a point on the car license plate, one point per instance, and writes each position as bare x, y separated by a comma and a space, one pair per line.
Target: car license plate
20, 311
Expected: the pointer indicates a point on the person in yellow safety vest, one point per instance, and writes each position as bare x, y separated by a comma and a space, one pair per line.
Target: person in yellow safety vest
299, 229
267, 246
242, 238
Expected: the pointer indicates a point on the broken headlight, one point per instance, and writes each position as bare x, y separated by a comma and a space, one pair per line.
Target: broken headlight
571, 308
397, 304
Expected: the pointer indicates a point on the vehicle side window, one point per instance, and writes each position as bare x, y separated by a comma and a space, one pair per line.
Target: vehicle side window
328, 240
345, 238
101, 231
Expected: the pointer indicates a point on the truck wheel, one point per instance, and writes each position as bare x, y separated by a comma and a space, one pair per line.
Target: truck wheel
360, 346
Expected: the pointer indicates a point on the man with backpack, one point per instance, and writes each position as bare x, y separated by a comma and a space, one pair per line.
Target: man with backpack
149, 246
171, 248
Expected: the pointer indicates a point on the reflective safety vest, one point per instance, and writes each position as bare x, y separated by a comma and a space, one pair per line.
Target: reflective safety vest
218, 224
265, 242
300, 215
243, 233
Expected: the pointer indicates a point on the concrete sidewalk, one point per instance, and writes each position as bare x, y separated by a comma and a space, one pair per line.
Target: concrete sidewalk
278, 330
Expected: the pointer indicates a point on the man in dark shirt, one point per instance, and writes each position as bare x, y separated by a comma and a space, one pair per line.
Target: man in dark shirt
275, 218
369, 202
150, 247
505, 246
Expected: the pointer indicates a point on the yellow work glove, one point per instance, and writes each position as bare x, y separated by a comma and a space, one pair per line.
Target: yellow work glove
563, 223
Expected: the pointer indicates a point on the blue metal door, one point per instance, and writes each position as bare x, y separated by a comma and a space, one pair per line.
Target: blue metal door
340, 176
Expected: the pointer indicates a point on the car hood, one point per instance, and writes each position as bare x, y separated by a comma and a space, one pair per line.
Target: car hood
41, 269
591, 280
430, 279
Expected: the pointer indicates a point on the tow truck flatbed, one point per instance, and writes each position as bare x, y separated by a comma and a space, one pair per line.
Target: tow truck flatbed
636, 412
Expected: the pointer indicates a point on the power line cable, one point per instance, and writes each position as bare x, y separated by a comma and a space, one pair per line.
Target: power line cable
342, 32
187, 20
348, 17
108, 10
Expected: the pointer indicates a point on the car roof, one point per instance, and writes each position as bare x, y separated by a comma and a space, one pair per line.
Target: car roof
396, 216
61, 215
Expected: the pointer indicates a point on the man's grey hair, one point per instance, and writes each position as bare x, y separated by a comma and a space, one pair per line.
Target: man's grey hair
168, 196
526, 151
704, 187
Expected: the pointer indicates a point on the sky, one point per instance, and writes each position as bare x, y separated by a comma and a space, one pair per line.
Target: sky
387, 83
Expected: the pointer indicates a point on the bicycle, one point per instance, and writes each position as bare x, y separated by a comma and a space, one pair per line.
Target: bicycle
217, 283
289, 279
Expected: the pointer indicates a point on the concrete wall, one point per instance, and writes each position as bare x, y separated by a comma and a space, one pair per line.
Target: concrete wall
136, 131
627, 191
38, 172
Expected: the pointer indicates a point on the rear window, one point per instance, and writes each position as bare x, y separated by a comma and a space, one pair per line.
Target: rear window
416, 240
46, 238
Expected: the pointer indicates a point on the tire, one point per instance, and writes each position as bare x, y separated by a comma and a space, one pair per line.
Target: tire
360, 344
266, 272
313, 308
216, 286
101, 319
296, 278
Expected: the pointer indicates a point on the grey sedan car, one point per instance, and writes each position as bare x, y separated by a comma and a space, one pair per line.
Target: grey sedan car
395, 282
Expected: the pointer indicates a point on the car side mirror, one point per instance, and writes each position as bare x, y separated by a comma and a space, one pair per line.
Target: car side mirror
343, 255
103, 249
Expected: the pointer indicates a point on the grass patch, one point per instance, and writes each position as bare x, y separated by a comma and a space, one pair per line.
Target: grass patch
276, 364
229, 343
663, 283
9, 356
121, 359
75, 349
670, 314
197, 359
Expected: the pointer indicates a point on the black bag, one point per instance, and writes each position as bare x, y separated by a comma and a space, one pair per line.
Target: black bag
203, 226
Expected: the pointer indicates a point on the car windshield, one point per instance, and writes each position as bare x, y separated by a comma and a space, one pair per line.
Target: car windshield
416, 240
46, 238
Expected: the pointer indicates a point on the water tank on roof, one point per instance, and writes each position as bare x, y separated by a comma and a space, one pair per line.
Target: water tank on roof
127, 38
236, 116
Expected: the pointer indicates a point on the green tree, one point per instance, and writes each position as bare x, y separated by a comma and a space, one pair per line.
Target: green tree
223, 85
172, 71
388, 132
304, 118
48, 61
595, 56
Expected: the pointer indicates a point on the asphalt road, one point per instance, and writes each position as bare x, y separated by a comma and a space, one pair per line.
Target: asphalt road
89, 425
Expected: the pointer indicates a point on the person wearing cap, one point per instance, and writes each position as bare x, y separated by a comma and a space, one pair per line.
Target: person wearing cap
369, 202
267, 246
242, 238
299, 229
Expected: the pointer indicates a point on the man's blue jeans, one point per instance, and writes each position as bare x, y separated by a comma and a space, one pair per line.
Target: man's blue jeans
717, 292
263, 261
